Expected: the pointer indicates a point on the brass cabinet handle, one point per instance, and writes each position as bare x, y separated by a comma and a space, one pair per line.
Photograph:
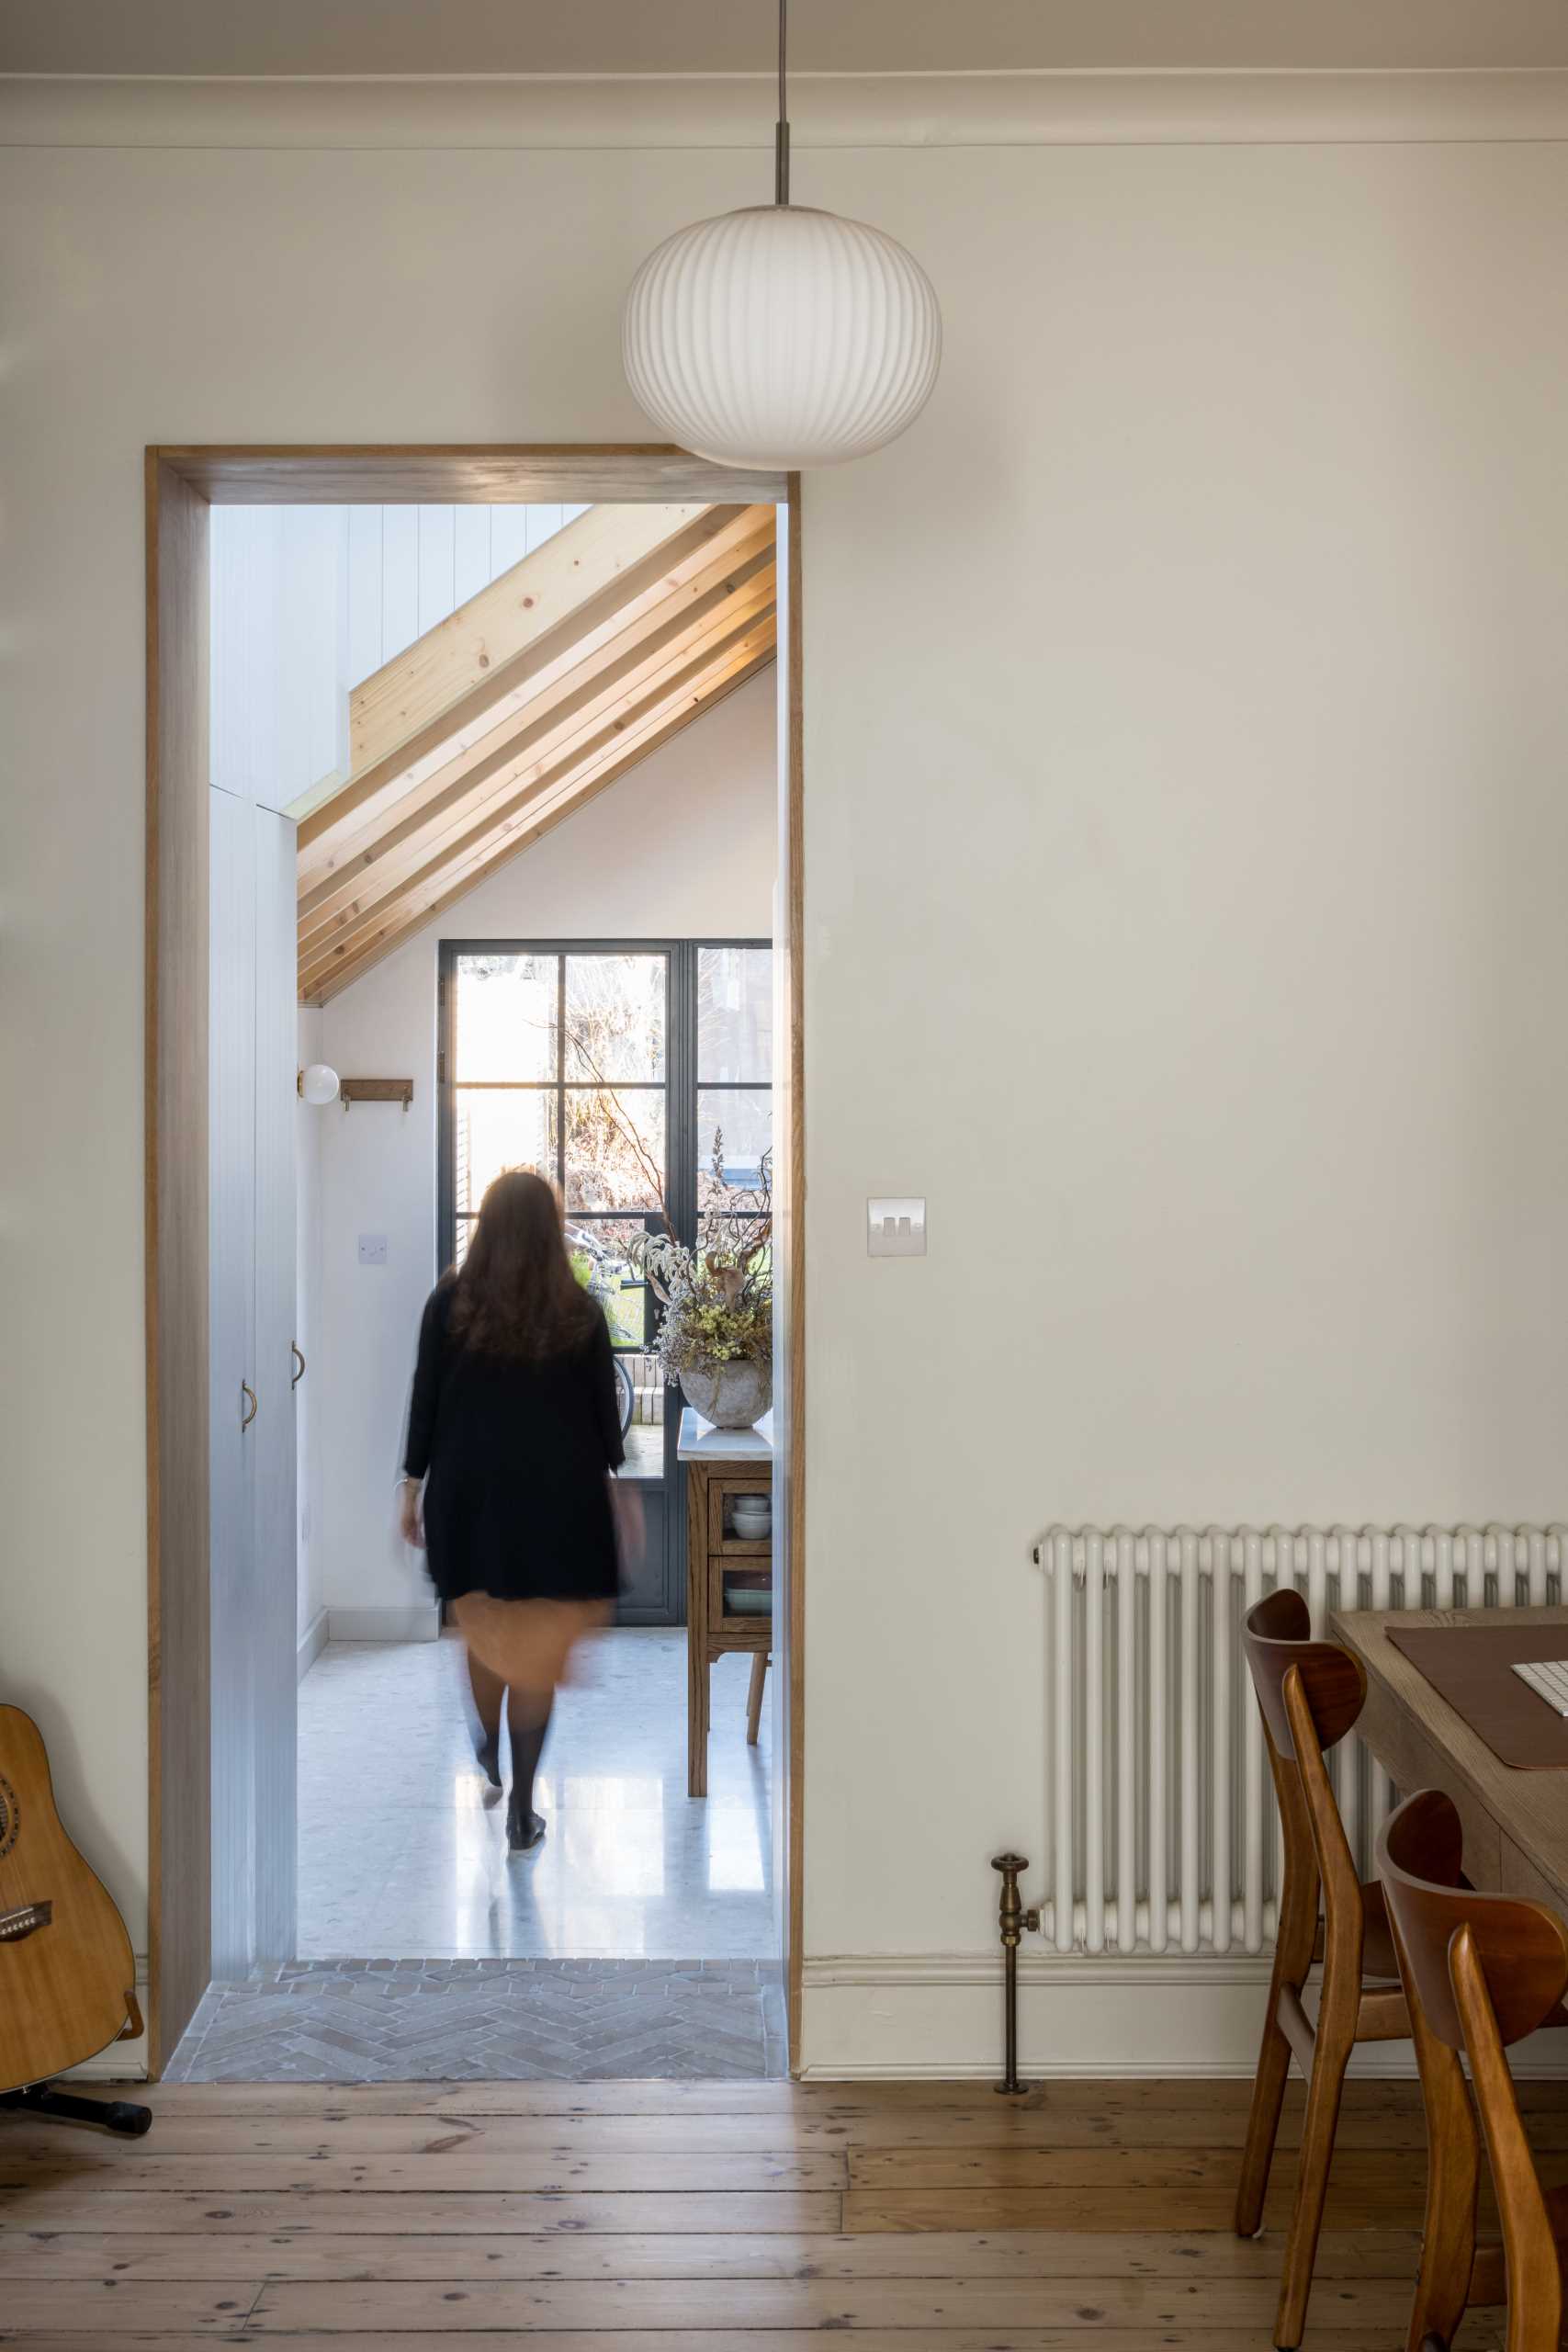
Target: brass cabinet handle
246, 1390
300, 1359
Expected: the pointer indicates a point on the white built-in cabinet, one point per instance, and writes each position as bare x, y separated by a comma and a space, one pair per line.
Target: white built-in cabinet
306, 602
254, 1371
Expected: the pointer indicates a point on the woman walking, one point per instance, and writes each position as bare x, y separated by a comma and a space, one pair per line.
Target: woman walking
514, 1435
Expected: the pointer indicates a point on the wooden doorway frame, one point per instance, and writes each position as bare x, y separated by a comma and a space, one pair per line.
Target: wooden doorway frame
182, 485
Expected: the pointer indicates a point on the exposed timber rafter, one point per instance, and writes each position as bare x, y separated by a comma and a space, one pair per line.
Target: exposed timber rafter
521, 707
328, 977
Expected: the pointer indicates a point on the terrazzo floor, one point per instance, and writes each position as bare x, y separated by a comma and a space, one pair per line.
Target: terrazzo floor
426, 1953
402, 1847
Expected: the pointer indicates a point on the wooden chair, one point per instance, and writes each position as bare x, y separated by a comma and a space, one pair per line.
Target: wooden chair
1479, 1971
1310, 1693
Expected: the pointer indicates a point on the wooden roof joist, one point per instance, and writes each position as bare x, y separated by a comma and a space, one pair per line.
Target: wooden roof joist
700, 588
568, 785
529, 700
607, 570
326, 973
415, 845
596, 690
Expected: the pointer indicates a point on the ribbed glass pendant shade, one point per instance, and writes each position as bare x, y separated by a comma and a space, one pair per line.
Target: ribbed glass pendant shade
781, 337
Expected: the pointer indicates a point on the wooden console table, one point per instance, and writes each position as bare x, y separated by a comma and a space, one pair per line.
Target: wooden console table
720, 1565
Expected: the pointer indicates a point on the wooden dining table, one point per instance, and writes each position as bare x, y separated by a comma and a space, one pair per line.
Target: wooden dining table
1514, 1822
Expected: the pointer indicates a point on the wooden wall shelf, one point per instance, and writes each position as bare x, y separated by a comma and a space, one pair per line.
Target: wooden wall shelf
375, 1089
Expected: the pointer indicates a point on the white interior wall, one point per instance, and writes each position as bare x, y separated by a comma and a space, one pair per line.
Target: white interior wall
308, 601
408, 567
307, 1139
682, 847
280, 638
1184, 839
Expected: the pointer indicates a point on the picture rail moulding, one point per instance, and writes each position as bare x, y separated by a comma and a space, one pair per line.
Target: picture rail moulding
727, 111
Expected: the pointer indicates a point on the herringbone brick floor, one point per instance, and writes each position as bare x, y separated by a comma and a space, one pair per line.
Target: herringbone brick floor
498, 2020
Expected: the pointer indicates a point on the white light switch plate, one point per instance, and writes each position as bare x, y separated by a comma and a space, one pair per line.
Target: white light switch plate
896, 1228
372, 1249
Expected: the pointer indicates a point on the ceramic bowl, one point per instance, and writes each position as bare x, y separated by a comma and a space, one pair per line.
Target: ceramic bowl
730, 1395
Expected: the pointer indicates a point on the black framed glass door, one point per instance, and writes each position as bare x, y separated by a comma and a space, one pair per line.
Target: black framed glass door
637, 1076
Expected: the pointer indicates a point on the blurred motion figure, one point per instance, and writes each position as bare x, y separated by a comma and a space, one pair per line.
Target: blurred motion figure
513, 1440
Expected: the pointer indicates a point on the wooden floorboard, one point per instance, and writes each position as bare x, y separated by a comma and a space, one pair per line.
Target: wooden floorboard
881, 2107
1001, 2254
49, 2207
1086, 2336
545, 2168
834, 2303
690, 2217
874, 2143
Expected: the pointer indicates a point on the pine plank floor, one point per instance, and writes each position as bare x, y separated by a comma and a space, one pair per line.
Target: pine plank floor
714, 2217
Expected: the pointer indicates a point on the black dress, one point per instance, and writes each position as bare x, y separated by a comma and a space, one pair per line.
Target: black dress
516, 1504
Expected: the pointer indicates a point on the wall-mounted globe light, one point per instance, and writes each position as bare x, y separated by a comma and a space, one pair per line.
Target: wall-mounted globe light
778, 336
317, 1083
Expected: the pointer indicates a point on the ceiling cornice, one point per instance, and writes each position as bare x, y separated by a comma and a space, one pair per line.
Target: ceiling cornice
735, 111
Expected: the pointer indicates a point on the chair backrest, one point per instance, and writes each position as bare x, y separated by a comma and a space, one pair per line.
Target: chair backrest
1479, 1971
1275, 1635
1521, 1948
1309, 1693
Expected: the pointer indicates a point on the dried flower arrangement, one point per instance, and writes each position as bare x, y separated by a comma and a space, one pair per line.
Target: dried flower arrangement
717, 1299
716, 1331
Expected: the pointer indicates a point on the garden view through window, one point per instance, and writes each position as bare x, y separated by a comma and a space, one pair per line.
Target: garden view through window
639, 1077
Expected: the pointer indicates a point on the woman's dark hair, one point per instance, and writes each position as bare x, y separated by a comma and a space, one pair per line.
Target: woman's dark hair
515, 1292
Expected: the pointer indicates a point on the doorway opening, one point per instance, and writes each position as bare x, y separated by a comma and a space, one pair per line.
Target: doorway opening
540, 993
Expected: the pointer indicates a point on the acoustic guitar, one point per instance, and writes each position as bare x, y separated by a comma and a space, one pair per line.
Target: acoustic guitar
67, 1976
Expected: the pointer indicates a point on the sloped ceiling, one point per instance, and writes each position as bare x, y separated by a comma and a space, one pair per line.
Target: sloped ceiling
539, 693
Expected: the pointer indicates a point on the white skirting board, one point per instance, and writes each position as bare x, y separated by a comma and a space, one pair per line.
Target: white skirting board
938, 2016
418, 1621
313, 1642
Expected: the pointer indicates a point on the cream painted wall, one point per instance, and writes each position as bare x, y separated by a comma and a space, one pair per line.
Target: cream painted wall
683, 847
310, 1131
1185, 835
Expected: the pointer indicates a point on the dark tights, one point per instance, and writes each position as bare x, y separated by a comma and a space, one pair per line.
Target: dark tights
524, 1723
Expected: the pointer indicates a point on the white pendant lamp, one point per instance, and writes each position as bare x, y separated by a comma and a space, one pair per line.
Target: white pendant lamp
778, 336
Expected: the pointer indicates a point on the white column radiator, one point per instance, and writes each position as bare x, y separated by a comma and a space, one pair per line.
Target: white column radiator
1162, 1832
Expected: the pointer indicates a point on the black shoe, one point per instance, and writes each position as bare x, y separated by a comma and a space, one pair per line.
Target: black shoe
488, 1752
525, 1830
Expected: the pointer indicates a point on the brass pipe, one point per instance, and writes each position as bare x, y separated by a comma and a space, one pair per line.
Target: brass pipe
1012, 1919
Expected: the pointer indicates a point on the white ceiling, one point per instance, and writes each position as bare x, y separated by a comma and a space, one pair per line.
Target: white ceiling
443, 37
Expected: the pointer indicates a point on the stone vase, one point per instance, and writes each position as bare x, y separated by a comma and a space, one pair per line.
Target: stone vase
730, 1395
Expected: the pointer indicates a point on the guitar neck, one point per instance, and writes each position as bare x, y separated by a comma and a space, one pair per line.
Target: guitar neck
15, 1925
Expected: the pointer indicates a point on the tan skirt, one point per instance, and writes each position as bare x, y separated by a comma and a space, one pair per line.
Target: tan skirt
528, 1643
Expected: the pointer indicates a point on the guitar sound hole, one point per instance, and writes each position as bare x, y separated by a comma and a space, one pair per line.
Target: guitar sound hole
10, 1816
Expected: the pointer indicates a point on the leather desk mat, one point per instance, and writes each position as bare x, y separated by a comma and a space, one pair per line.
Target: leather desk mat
1472, 1667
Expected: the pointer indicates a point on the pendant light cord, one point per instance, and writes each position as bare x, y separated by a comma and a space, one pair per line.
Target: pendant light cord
780, 132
